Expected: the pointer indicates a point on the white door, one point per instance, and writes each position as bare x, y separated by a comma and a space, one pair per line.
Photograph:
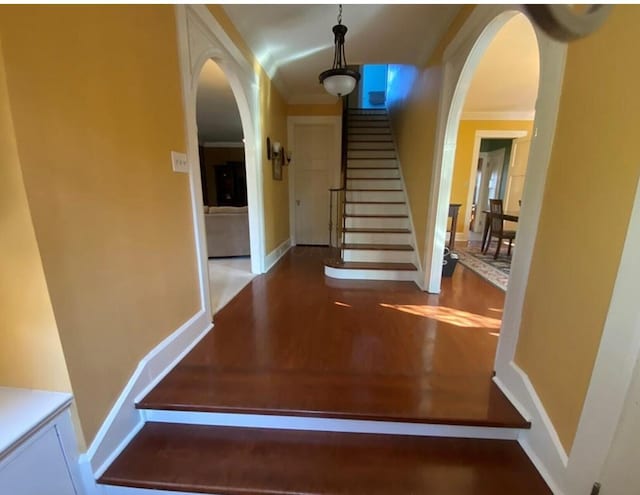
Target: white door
490, 174
315, 172
517, 172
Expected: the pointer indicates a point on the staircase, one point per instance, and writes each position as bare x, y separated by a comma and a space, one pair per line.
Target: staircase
375, 239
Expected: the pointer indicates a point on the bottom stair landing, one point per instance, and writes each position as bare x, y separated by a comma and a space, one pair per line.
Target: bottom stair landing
244, 461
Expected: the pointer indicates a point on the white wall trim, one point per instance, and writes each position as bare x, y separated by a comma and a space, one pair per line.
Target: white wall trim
200, 38
541, 442
123, 421
292, 121
414, 242
525, 115
274, 256
223, 144
480, 135
307, 423
613, 368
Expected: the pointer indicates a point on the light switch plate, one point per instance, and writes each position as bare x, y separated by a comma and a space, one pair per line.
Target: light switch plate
179, 162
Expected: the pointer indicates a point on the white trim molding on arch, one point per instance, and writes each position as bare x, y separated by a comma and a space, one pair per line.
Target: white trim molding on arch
480, 135
460, 59
200, 38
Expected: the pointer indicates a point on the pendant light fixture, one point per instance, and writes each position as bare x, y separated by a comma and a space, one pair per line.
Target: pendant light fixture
339, 80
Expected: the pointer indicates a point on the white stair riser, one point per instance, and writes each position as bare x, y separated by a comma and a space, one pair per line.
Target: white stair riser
399, 275
372, 145
373, 184
384, 163
357, 130
386, 196
376, 238
378, 255
369, 137
373, 209
376, 223
371, 154
329, 424
378, 174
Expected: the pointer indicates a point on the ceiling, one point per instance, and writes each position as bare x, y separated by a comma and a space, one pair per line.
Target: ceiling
217, 113
506, 79
294, 43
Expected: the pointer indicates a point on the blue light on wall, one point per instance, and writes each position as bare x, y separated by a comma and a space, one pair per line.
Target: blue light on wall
374, 86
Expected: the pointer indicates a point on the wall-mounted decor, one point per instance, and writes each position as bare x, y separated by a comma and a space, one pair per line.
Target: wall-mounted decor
276, 154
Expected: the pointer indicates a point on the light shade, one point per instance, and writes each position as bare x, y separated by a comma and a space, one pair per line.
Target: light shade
339, 82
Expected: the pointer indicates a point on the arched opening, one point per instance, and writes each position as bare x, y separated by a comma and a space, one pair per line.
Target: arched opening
223, 175
492, 149
200, 40
461, 58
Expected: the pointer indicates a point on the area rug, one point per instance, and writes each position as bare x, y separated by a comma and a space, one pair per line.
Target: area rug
495, 272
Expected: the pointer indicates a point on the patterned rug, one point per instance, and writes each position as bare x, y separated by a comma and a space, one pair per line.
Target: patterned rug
495, 272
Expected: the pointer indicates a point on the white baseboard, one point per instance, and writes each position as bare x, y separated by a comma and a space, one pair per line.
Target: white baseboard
541, 443
274, 256
124, 420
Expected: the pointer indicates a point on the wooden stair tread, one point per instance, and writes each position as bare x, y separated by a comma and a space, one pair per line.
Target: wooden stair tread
364, 230
379, 247
377, 216
373, 190
375, 202
371, 265
372, 168
370, 158
249, 461
374, 178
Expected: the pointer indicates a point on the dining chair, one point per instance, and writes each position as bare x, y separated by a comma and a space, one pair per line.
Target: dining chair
497, 228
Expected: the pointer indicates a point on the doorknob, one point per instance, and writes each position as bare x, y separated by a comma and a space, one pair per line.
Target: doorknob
297, 202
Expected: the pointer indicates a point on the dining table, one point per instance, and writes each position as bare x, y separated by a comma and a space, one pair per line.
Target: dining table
506, 216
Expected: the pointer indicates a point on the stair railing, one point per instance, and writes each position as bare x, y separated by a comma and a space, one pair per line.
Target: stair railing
338, 196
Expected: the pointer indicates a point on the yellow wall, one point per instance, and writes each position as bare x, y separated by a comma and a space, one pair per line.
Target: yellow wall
273, 110
30, 350
96, 103
414, 121
590, 188
464, 151
315, 110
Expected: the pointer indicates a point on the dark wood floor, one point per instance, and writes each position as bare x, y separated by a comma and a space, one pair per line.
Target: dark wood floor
242, 461
295, 342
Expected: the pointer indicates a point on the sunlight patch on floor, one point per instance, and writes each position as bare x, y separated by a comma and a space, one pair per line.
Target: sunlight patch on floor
451, 316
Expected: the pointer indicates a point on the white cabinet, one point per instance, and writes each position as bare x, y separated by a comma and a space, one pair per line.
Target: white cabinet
37, 444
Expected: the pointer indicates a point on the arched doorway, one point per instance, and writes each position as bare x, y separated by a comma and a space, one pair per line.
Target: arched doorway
224, 186
492, 149
460, 60
201, 38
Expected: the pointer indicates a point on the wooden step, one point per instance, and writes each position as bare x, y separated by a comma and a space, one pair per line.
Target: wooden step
377, 231
249, 461
379, 247
377, 216
363, 265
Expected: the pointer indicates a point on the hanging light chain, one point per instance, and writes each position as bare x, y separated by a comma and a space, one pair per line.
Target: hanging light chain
340, 14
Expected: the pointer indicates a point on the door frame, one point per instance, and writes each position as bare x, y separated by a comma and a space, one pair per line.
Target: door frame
201, 38
336, 122
479, 136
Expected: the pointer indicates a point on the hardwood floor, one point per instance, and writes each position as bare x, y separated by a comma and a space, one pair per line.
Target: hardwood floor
243, 461
296, 342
